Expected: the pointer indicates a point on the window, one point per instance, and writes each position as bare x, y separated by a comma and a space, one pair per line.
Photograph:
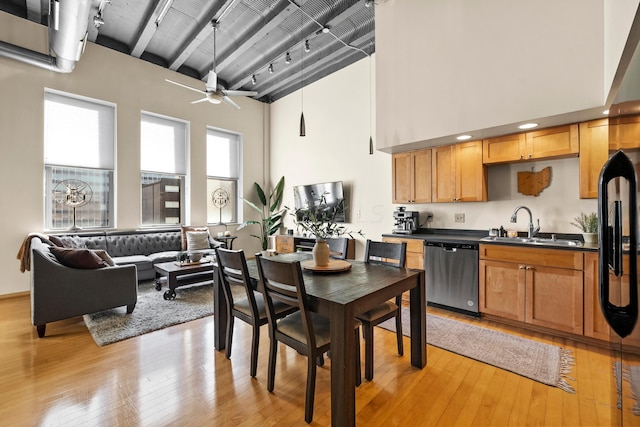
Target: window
163, 165
223, 176
79, 162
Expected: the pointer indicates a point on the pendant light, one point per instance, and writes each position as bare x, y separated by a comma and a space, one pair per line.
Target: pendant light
303, 130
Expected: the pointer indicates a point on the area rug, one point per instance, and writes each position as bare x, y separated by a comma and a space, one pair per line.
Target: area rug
630, 374
538, 361
152, 312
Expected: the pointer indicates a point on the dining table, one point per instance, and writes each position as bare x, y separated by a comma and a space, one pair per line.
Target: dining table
341, 296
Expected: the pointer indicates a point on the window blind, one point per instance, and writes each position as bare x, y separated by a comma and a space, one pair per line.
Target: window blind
223, 154
163, 145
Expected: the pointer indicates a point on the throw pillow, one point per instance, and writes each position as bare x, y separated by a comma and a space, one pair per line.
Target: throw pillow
104, 256
57, 241
78, 258
185, 228
197, 240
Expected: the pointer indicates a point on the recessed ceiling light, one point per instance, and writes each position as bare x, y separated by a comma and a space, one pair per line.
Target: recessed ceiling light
605, 112
528, 126
463, 137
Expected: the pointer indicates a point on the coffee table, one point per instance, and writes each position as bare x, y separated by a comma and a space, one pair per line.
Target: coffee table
183, 274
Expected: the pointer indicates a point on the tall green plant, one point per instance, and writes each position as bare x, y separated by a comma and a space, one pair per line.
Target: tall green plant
270, 213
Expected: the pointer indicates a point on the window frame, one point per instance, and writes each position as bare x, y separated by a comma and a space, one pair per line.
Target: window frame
184, 178
238, 142
101, 107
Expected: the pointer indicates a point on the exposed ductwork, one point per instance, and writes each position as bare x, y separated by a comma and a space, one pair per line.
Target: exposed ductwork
67, 37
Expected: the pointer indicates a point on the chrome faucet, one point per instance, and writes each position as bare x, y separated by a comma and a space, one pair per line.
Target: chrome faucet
532, 231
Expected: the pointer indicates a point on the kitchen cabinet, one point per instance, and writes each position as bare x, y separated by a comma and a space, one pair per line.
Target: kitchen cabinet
411, 173
542, 287
594, 152
458, 173
595, 326
415, 251
624, 132
555, 142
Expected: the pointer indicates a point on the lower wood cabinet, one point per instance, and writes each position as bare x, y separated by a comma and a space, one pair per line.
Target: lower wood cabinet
542, 287
415, 251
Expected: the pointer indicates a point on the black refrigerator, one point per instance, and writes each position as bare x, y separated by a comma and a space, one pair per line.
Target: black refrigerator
618, 284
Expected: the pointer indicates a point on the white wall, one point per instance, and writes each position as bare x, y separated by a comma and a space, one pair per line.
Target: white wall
133, 85
451, 66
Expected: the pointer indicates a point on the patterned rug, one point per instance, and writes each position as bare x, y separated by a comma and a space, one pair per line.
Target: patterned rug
538, 361
152, 312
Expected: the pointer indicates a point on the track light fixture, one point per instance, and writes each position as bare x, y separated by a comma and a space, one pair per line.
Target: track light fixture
97, 20
307, 48
253, 79
270, 68
287, 59
368, 3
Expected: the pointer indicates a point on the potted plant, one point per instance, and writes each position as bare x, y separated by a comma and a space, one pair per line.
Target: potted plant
588, 223
319, 220
270, 213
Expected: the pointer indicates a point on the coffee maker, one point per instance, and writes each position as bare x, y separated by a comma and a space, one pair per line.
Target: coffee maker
406, 222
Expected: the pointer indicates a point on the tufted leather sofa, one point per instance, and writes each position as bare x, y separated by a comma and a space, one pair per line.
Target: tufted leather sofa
142, 248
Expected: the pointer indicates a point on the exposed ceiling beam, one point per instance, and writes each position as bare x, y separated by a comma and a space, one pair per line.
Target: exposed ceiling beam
200, 35
35, 10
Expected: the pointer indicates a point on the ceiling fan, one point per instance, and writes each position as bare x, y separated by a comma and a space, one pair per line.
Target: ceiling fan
214, 93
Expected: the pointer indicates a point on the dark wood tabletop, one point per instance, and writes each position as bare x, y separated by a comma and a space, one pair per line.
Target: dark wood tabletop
341, 296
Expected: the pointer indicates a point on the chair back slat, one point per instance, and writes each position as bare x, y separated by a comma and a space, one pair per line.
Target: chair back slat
337, 247
283, 281
386, 253
233, 266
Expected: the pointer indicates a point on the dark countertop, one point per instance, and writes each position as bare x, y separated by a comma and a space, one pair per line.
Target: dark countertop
450, 235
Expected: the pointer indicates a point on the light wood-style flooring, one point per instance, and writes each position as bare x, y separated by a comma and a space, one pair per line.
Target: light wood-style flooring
175, 377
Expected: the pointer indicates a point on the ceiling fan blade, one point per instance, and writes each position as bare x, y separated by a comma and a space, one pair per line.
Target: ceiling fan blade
240, 92
212, 81
197, 101
185, 86
229, 101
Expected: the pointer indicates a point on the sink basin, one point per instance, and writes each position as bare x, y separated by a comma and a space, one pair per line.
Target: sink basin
533, 241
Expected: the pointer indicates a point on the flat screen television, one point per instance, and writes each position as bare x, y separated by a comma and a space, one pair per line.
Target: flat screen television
326, 196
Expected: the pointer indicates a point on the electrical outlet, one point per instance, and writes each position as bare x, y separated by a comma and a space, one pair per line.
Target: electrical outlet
459, 217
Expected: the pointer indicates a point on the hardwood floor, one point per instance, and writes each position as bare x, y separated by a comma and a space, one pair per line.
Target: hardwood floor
175, 377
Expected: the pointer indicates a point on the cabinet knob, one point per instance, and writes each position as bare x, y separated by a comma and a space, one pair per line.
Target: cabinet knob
521, 267
530, 155
521, 156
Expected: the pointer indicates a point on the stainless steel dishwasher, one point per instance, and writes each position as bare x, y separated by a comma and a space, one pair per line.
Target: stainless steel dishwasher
451, 276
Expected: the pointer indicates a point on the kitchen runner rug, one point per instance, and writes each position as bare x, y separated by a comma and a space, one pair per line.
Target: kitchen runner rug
152, 312
545, 363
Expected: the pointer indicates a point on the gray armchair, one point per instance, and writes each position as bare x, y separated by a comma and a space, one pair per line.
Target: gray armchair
59, 292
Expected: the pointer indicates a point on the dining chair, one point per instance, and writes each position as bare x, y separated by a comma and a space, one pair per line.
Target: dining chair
306, 332
386, 253
337, 247
250, 308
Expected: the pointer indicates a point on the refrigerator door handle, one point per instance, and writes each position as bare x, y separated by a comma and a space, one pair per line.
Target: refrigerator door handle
622, 319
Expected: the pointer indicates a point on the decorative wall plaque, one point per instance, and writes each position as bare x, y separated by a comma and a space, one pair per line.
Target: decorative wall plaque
532, 183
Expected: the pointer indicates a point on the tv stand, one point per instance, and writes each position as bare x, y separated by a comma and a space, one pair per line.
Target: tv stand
286, 243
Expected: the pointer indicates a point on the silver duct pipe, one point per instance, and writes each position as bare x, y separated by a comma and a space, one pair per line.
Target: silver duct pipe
67, 42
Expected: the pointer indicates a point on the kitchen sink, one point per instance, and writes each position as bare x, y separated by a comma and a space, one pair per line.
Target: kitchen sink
533, 241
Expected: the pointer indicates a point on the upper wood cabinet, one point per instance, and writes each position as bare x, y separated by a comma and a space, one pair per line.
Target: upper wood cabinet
555, 142
458, 173
412, 177
594, 152
624, 132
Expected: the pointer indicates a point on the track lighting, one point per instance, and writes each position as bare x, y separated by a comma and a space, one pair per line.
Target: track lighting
307, 48
97, 20
270, 68
368, 3
287, 59
253, 79
163, 11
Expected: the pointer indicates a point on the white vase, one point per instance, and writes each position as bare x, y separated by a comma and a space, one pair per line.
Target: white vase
590, 237
320, 253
